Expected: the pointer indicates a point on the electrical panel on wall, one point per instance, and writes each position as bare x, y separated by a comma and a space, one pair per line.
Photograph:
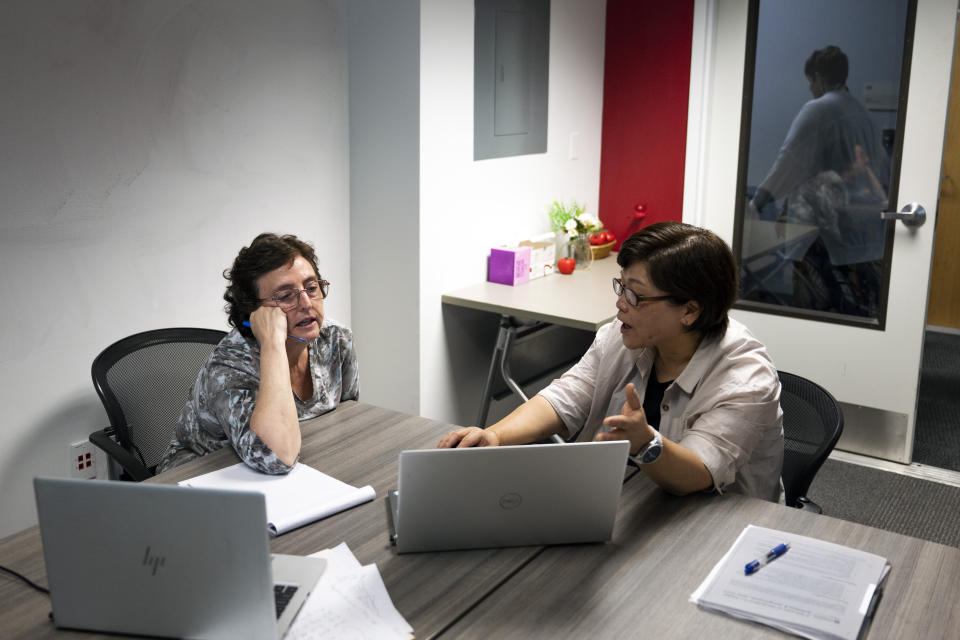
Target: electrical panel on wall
511, 64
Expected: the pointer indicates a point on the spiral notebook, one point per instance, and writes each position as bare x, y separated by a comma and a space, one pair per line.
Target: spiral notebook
299, 497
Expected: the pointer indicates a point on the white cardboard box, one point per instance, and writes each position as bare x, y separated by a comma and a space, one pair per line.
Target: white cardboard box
543, 257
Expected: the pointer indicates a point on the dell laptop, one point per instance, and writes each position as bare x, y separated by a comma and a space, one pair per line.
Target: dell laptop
507, 496
159, 560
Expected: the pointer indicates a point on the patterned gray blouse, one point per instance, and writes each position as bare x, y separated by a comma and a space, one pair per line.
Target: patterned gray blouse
225, 392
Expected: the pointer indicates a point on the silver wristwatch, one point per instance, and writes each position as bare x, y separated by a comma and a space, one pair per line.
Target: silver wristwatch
651, 451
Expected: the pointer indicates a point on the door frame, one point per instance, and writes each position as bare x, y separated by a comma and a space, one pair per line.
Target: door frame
943, 308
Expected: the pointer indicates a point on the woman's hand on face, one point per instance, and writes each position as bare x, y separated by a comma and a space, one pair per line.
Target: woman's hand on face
269, 324
469, 437
631, 424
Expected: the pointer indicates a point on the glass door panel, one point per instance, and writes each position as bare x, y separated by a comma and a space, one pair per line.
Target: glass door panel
820, 157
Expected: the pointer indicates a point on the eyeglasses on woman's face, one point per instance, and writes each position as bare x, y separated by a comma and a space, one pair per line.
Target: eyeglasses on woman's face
633, 298
288, 299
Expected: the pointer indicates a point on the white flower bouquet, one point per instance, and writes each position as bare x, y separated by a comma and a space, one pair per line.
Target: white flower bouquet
571, 219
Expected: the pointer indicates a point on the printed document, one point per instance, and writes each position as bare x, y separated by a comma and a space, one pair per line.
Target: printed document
350, 602
815, 590
297, 498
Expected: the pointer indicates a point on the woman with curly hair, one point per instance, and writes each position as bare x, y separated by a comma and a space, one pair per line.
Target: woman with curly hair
283, 361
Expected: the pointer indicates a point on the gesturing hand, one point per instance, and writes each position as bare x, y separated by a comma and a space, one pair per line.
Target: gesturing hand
469, 437
631, 424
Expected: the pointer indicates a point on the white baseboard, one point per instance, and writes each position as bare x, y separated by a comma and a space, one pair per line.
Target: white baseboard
914, 470
949, 330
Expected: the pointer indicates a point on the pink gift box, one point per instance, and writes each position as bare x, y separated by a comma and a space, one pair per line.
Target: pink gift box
509, 265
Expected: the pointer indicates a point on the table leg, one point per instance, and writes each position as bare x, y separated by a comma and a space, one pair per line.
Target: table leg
500, 361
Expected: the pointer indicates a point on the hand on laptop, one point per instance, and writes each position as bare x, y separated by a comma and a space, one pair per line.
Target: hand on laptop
534, 420
630, 425
469, 437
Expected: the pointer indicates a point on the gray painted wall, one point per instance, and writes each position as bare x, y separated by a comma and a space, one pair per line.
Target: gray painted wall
384, 46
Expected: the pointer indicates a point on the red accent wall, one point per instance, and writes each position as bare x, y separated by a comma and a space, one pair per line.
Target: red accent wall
646, 86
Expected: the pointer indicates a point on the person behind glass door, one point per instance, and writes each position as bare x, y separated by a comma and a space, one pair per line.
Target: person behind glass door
283, 361
832, 172
673, 367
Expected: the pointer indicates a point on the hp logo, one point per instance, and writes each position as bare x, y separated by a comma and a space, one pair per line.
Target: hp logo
152, 561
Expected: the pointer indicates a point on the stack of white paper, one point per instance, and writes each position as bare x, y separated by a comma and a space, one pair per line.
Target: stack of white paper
815, 590
349, 602
293, 499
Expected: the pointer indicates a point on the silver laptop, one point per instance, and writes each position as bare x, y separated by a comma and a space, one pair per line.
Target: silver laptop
507, 496
161, 560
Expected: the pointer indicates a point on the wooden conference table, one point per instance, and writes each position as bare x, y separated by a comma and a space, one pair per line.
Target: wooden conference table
635, 586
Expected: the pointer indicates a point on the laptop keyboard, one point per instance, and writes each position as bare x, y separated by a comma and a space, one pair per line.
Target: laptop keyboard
282, 593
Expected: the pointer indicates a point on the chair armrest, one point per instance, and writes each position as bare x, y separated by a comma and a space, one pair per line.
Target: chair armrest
124, 458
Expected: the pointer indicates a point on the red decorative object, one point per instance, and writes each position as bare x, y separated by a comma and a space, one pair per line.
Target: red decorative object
566, 265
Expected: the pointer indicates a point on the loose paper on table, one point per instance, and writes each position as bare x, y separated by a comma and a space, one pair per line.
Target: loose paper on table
350, 602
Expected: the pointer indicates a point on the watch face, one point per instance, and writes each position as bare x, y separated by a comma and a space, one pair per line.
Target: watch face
652, 453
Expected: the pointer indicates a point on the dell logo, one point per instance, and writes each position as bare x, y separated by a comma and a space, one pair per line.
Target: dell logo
510, 500
152, 561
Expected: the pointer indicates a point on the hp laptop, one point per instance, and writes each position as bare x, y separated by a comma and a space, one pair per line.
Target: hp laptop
160, 560
507, 496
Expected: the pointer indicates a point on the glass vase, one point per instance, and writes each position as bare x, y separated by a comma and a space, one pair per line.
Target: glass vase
579, 249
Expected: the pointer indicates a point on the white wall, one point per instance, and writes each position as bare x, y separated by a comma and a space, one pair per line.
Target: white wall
466, 206
141, 145
720, 29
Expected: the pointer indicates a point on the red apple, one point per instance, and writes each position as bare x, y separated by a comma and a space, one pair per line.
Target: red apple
566, 265
596, 238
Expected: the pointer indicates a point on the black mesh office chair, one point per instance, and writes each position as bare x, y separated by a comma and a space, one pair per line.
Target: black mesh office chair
812, 424
143, 381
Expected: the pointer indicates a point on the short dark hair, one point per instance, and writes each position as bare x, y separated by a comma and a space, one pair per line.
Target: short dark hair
830, 63
267, 252
687, 263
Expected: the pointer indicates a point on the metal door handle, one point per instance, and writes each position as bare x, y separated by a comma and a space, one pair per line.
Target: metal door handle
912, 215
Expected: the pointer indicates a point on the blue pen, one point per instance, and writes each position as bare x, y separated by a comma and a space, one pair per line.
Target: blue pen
246, 323
754, 565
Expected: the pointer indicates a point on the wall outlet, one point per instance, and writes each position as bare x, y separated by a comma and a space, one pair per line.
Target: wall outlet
83, 460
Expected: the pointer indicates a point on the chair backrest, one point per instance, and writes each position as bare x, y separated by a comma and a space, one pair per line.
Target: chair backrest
144, 380
812, 424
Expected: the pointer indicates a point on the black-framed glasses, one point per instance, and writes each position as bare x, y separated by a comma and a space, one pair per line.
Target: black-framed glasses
634, 299
290, 298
